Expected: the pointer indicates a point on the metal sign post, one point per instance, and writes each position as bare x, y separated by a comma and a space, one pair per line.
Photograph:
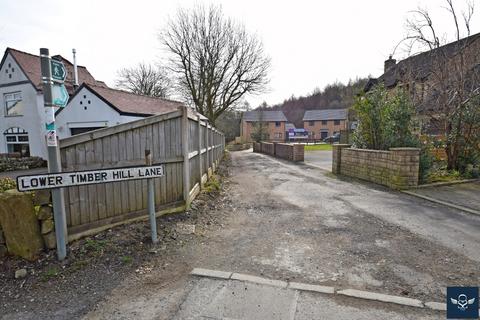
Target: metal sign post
151, 199
53, 152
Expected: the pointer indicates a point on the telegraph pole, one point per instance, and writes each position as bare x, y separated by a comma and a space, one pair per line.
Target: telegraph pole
53, 152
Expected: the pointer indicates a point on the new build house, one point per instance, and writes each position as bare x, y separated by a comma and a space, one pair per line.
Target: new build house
321, 124
271, 125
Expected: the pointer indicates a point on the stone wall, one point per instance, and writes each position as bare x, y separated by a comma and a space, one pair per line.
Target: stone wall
291, 152
268, 148
26, 223
238, 146
9, 163
396, 168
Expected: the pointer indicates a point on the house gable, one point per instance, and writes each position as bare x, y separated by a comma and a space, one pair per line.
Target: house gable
85, 110
10, 71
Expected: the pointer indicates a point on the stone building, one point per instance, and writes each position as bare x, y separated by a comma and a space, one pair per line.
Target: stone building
433, 79
271, 123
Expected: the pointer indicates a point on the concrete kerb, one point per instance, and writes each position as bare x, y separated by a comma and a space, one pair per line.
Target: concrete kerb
259, 280
446, 183
211, 273
448, 204
381, 297
366, 295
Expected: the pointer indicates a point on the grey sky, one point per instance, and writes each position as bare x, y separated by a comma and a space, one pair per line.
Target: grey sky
311, 43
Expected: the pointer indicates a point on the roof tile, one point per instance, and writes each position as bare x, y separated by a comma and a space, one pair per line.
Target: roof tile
263, 115
327, 114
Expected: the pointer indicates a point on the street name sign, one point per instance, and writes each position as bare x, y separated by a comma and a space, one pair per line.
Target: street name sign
59, 95
80, 178
59, 73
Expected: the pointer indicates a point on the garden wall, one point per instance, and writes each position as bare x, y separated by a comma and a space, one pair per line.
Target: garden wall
9, 162
26, 223
396, 168
291, 152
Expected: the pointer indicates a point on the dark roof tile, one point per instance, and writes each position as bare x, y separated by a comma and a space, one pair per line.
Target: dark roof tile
327, 114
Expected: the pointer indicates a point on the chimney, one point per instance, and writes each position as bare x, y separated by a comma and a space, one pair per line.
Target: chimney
390, 62
75, 71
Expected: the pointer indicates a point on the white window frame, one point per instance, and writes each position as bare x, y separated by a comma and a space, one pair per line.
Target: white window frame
12, 98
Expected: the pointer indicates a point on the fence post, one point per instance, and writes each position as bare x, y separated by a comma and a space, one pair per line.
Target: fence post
186, 162
207, 145
200, 164
213, 150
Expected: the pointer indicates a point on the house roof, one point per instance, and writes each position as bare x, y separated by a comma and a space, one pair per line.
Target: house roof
420, 65
327, 114
262, 115
289, 125
127, 103
30, 65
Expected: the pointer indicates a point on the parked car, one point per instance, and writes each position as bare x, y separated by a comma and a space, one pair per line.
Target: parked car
333, 138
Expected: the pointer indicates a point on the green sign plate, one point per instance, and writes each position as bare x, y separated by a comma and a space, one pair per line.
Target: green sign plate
59, 73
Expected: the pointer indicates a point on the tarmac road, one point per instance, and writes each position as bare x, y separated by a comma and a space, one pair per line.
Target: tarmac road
296, 223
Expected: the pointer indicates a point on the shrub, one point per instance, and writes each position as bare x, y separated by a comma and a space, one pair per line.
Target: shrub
384, 122
7, 184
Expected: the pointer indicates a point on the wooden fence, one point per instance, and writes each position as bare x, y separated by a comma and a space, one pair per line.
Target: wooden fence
182, 140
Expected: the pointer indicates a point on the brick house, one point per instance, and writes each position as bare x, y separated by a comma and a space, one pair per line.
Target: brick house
273, 122
323, 123
420, 74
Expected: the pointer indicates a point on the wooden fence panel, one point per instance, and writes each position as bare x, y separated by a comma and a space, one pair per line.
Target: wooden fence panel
97, 206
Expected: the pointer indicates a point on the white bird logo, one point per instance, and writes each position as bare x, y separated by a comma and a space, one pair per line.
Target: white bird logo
462, 302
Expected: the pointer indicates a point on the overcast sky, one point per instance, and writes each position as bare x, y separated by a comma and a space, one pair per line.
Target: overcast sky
311, 43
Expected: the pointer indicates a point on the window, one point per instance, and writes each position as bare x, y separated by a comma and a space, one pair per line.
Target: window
17, 141
336, 122
278, 135
75, 131
324, 122
277, 123
311, 123
13, 104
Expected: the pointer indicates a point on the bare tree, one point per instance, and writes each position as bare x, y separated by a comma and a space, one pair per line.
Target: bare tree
144, 79
216, 61
453, 77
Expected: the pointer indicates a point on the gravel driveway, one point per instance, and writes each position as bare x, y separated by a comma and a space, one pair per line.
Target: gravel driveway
295, 223
291, 222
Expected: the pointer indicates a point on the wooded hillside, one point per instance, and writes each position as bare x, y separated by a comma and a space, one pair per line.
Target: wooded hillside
334, 96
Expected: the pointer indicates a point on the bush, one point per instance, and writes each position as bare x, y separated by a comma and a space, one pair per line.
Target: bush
7, 184
384, 122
